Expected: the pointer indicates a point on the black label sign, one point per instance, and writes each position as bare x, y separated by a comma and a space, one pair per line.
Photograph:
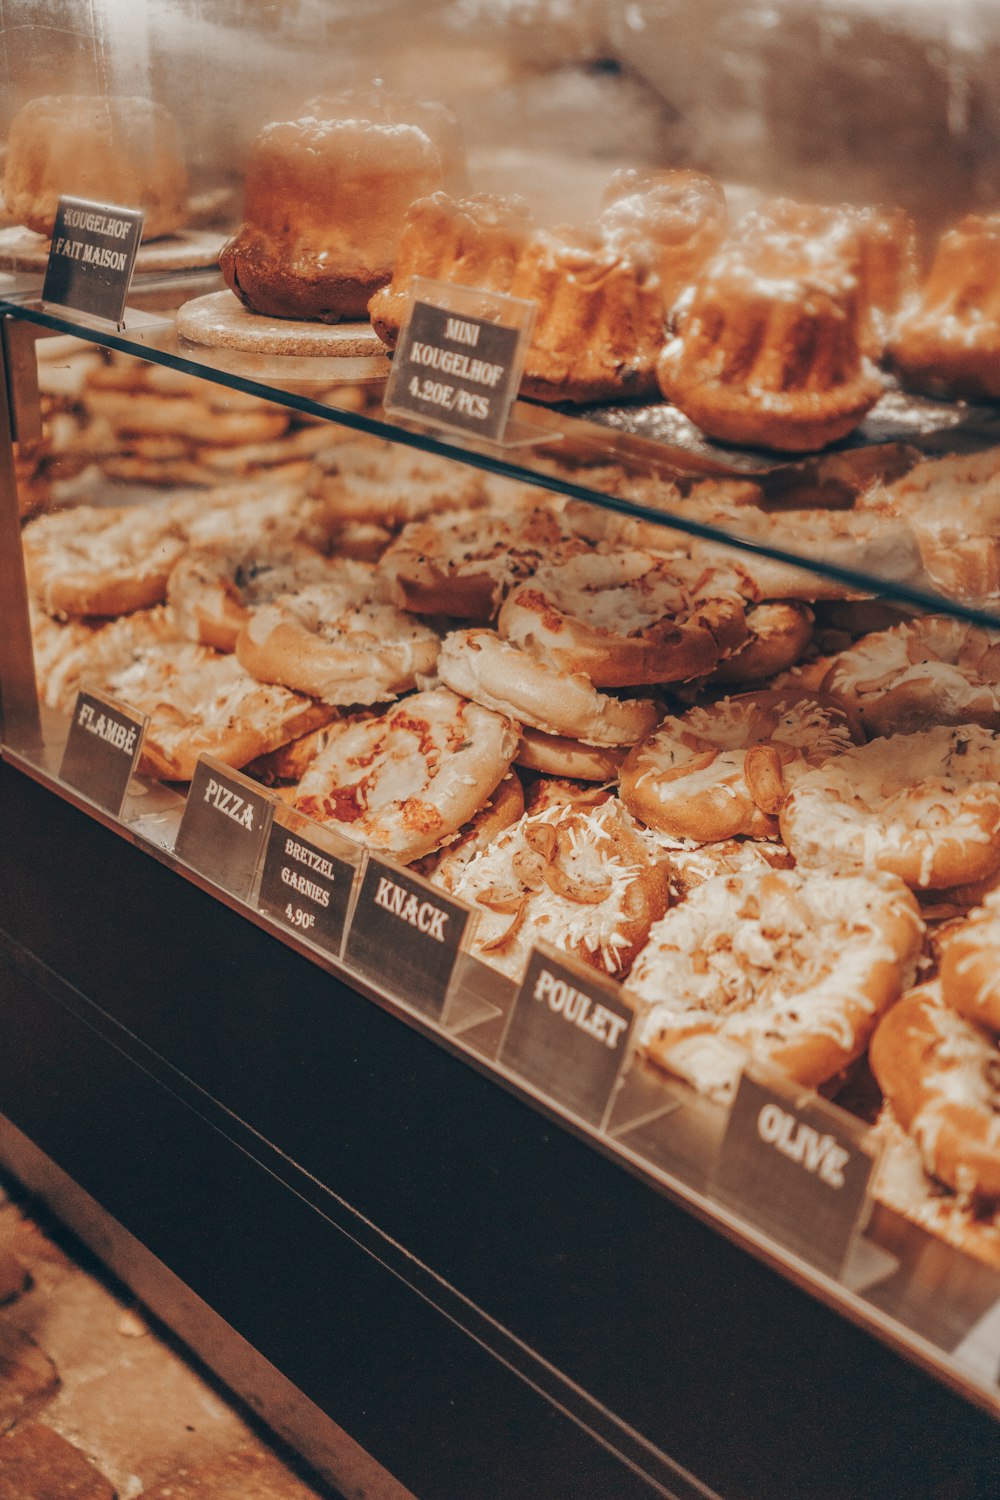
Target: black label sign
102, 750
405, 934
305, 888
568, 1034
455, 370
226, 821
92, 255
791, 1167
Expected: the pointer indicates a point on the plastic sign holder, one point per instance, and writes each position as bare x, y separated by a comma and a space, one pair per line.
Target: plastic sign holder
405, 936
224, 826
307, 879
459, 360
92, 256
568, 1034
102, 750
796, 1167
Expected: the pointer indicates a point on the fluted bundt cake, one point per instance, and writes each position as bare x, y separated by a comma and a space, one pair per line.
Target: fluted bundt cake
600, 318
949, 343
768, 346
600, 323
681, 215
472, 241
118, 150
326, 197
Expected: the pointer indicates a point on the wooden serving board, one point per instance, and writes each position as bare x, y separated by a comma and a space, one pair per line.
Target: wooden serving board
220, 321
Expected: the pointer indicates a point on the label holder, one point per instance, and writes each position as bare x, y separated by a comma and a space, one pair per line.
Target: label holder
300, 878
569, 1034
102, 749
92, 257
408, 952
470, 330
224, 826
796, 1167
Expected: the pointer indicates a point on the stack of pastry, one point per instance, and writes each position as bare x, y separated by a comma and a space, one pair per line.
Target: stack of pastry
615, 749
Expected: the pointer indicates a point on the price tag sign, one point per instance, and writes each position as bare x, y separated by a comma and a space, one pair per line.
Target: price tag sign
568, 1033
225, 824
102, 750
406, 935
796, 1167
459, 358
305, 884
92, 256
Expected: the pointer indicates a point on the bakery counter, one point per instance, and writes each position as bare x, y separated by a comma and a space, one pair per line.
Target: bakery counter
591, 965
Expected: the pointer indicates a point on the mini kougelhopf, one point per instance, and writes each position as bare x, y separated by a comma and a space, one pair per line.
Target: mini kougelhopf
681, 214
769, 347
472, 241
120, 150
949, 344
326, 197
600, 311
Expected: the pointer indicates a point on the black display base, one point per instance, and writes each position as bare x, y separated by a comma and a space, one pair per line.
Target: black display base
485, 1303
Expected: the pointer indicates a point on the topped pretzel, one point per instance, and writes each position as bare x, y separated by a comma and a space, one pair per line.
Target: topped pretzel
970, 965
462, 565
792, 967
718, 771
578, 876
925, 806
405, 781
941, 1074
623, 618
213, 590
101, 560
934, 670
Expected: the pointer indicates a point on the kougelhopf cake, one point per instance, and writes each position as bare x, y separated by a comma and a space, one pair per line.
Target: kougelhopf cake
681, 215
124, 151
473, 241
768, 347
949, 344
326, 197
599, 325
877, 246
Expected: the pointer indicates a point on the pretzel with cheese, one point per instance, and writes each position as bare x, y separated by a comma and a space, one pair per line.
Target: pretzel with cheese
101, 560
720, 771
405, 781
791, 968
941, 1074
214, 590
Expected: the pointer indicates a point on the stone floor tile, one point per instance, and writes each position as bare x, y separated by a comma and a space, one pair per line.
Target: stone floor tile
37, 1464
249, 1473
28, 1377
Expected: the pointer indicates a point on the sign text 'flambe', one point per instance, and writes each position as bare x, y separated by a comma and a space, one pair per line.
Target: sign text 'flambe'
122, 736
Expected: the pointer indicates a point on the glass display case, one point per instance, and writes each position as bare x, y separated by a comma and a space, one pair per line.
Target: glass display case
542, 1099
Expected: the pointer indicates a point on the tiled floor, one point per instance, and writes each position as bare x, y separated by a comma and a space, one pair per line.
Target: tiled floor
95, 1403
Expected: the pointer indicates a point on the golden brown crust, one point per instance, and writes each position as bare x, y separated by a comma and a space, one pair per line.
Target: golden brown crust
949, 344
720, 771
778, 635
941, 1074
107, 149
790, 967
555, 755
624, 619
101, 560
970, 967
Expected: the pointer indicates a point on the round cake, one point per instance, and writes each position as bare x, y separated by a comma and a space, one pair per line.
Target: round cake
681, 215
949, 344
122, 151
472, 241
769, 346
326, 196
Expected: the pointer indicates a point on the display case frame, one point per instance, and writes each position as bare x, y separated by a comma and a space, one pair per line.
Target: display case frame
952, 1339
